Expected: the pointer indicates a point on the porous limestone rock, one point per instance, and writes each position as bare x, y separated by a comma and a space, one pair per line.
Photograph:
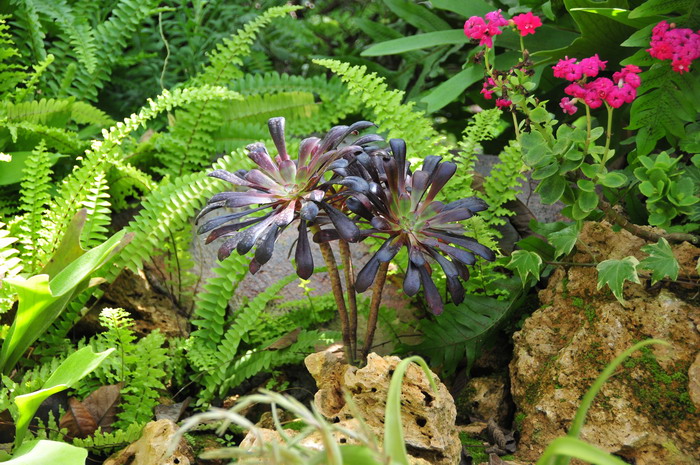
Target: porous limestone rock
152, 448
644, 413
428, 417
486, 397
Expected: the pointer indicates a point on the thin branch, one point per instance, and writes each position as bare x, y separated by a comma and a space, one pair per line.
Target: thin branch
346, 259
377, 289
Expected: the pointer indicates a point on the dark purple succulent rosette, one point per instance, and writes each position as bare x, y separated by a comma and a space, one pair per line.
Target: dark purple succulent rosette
283, 191
401, 207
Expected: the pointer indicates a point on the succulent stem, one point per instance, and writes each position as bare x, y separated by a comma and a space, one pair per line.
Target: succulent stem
346, 259
337, 287
377, 289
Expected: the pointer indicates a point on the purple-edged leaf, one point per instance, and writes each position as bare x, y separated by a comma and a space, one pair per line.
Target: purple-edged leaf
339, 163
398, 148
353, 183
232, 228
389, 249
347, 230
442, 174
242, 199
251, 235
288, 170
258, 153
266, 245
448, 216
307, 149
452, 273
302, 255
432, 296
326, 235
276, 126
380, 223
392, 175
356, 206
419, 183
411, 282
463, 241
258, 179
309, 211
456, 290
210, 207
462, 270
474, 204
366, 276
416, 256
254, 266
218, 221
368, 139
227, 247
461, 255
229, 177
430, 163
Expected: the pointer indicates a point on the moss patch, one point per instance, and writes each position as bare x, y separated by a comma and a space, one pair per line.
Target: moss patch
663, 394
476, 447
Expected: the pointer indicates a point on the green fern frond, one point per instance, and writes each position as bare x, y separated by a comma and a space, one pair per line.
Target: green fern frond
234, 135
30, 32
390, 114
101, 443
10, 265
84, 113
503, 184
58, 139
11, 72
49, 112
33, 79
35, 197
74, 192
98, 212
225, 60
127, 181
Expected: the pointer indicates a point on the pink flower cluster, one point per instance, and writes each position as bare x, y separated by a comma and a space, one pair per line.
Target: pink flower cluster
484, 29
681, 46
616, 92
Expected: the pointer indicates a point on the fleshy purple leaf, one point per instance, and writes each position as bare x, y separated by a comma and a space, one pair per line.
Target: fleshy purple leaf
367, 274
303, 257
276, 127
347, 230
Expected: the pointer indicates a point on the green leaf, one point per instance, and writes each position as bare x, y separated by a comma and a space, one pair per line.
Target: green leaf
573, 447
661, 7
417, 42
354, 455
394, 444
551, 189
587, 201
538, 245
564, 240
41, 300
42, 452
525, 263
417, 15
660, 261
451, 89
620, 15
466, 9
614, 273
535, 149
613, 180
72, 370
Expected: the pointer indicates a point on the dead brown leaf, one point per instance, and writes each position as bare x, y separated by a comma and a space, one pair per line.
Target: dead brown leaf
98, 410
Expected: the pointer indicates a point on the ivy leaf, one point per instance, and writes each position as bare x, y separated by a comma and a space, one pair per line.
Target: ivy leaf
564, 240
525, 263
614, 273
660, 261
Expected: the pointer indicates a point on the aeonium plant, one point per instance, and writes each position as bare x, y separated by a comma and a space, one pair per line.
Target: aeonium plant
346, 192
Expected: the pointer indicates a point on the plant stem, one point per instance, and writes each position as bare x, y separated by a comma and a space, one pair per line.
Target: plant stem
346, 259
640, 232
515, 125
608, 134
377, 289
588, 130
337, 288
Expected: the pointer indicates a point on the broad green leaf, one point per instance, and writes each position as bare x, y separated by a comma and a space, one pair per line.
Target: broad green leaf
573, 447
620, 15
41, 301
614, 273
466, 9
357, 455
564, 240
551, 189
69, 248
586, 185
587, 201
451, 89
417, 42
12, 172
417, 15
641, 38
537, 245
613, 180
535, 149
43, 452
598, 33
72, 370
661, 7
525, 263
660, 261
394, 444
